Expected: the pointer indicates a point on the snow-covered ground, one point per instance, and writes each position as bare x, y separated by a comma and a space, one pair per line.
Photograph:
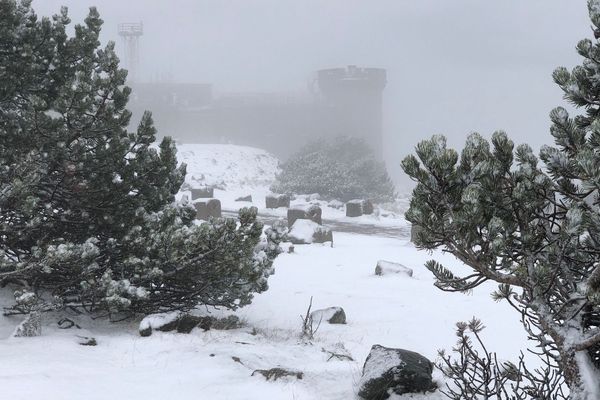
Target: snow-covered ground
238, 171
230, 167
391, 310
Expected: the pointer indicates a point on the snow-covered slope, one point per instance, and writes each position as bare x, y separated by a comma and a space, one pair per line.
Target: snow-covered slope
392, 310
227, 166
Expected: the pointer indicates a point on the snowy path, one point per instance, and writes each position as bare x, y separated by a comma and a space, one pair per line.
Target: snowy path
398, 232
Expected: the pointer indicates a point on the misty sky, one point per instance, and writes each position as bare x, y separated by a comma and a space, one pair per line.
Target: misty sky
454, 67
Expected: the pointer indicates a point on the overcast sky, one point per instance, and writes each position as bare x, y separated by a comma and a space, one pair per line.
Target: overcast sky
454, 67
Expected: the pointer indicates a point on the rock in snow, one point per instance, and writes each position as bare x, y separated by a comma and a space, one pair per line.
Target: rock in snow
367, 207
277, 200
387, 268
323, 234
208, 209
305, 231
394, 370
332, 315
245, 198
312, 213
354, 208
358, 207
155, 321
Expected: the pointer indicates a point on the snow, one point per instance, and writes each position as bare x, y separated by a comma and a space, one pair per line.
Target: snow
395, 312
589, 375
303, 230
237, 171
227, 166
155, 321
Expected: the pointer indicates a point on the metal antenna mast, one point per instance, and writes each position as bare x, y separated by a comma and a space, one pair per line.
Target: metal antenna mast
130, 34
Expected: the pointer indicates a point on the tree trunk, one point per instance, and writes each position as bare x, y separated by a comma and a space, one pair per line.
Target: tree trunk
581, 376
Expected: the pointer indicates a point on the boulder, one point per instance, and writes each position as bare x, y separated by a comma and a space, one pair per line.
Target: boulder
277, 200
332, 315
358, 207
323, 234
203, 193
313, 213
398, 371
354, 208
88, 341
388, 268
245, 198
305, 231
294, 214
31, 325
367, 207
214, 208
207, 209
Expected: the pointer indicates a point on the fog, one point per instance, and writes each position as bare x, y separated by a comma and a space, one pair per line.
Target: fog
453, 67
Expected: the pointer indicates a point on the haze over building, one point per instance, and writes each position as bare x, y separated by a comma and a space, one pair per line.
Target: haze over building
338, 102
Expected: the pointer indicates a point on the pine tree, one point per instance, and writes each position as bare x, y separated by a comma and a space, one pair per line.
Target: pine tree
534, 228
86, 206
344, 168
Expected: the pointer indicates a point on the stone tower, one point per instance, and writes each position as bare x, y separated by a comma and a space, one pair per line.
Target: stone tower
355, 97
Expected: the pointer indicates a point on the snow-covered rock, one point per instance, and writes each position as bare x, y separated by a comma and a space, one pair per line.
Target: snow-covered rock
208, 209
277, 200
305, 231
358, 207
332, 315
387, 268
287, 247
311, 212
394, 370
156, 321
367, 207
